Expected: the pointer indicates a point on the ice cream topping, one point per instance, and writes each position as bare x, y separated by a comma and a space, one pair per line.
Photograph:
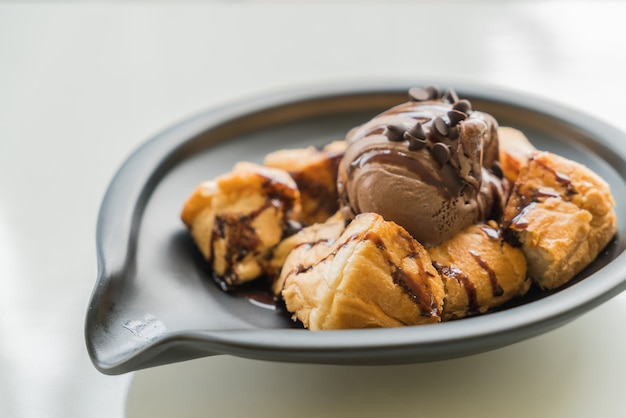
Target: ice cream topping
430, 165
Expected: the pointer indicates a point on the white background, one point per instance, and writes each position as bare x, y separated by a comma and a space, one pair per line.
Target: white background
82, 84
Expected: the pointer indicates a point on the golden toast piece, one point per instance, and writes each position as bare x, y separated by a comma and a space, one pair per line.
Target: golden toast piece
308, 246
480, 271
374, 275
315, 173
236, 219
561, 214
515, 151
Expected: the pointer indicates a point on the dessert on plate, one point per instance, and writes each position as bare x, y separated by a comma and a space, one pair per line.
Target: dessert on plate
428, 212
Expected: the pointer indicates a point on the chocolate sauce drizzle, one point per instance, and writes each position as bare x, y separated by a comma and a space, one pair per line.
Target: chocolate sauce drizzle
496, 289
418, 290
314, 191
456, 274
451, 272
241, 238
561, 178
528, 199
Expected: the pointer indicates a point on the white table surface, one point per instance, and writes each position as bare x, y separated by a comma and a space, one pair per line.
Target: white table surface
82, 84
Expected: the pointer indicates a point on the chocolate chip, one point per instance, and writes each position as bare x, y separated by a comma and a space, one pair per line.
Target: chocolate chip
456, 116
435, 92
462, 106
418, 131
453, 132
415, 144
394, 133
440, 126
418, 94
450, 96
441, 153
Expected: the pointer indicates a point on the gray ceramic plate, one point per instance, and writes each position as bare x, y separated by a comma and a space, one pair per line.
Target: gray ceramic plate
155, 303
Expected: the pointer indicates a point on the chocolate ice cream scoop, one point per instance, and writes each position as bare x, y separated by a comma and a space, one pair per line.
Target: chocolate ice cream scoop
430, 165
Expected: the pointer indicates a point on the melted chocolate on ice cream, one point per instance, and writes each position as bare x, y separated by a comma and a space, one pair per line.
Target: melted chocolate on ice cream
430, 165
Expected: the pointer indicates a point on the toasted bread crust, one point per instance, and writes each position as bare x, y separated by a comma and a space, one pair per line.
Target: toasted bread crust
561, 215
374, 275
